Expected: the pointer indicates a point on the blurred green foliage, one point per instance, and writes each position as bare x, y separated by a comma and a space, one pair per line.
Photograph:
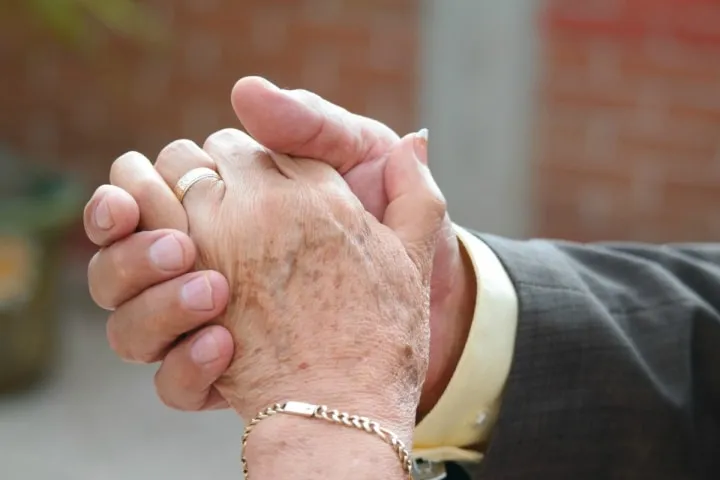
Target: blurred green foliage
76, 21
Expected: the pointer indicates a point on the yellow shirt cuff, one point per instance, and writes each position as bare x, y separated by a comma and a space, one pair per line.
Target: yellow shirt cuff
467, 411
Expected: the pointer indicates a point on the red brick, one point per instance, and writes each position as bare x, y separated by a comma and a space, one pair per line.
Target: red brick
567, 50
692, 198
641, 143
672, 61
191, 98
693, 23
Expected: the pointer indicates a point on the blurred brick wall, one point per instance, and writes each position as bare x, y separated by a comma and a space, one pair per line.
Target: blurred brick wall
629, 129
629, 125
58, 106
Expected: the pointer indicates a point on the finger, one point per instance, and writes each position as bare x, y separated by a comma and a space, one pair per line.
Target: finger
233, 154
243, 164
416, 206
145, 327
302, 124
237, 155
181, 157
306, 170
159, 208
129, 266
111, 214
185, 378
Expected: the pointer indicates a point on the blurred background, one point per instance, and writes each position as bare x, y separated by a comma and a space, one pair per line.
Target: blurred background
577, 119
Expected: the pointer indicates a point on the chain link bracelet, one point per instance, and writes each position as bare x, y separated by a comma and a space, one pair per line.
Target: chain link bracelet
321, 412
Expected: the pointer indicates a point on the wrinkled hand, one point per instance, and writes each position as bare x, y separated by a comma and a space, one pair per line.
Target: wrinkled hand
327, 304
154, 305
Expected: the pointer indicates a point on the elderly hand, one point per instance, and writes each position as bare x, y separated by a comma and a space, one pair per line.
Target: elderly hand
328, 305
156, 304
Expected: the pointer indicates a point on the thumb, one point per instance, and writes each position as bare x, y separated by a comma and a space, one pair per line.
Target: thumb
301, 124
416, 207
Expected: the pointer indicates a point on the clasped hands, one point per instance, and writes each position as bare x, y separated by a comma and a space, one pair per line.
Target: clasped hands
315, 257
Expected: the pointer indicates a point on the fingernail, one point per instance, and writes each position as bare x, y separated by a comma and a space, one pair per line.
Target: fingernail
205, 349
420, 144
103, 216
197, 294
167, 254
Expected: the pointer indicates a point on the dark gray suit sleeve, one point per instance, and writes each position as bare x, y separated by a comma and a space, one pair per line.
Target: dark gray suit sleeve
616, 370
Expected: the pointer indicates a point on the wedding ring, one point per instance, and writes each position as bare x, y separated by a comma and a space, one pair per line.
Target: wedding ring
191, 178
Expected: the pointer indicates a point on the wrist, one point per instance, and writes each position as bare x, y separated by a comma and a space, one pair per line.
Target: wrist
393, 408
312, 447
455, 313
363, 393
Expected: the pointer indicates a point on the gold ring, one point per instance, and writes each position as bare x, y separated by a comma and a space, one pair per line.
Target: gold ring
191, 178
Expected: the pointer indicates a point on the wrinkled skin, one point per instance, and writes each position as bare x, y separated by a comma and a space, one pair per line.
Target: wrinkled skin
152, 321
326, 301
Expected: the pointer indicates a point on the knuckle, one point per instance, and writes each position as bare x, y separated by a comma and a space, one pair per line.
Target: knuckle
188, 382
155, 328
177, 147
119, 266
145, 356
161, 390
113, 272
221, 137
122, 162
126, 349
126, 346
175, 396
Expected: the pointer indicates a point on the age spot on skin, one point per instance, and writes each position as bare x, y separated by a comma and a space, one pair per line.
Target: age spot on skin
408, 352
